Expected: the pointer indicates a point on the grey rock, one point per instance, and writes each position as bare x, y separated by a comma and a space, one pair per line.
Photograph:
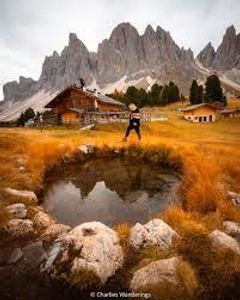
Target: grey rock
17, 210
207, 55
155, 233
234, 198
22, 194
42, 220
34, 254
221, 239
10, 255
54, 231
96, 248
156, 272
54, 252
19, 228
232, 228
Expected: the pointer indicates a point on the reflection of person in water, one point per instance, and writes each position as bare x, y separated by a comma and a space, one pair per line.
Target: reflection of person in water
134, 121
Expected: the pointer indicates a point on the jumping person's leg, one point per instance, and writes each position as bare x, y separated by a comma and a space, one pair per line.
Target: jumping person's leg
128, 130
137, 129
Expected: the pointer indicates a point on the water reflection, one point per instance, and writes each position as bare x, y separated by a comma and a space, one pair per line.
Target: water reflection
110, 191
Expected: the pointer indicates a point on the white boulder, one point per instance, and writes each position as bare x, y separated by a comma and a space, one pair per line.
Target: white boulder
154, 233
90, 247
156, 272
232, 228
22, 193
17, 210
19, 227
221, 239
53, 231
86, 148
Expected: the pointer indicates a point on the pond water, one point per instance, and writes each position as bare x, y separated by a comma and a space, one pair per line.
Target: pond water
108, 190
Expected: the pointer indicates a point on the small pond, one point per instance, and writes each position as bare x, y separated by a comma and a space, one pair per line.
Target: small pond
111, 191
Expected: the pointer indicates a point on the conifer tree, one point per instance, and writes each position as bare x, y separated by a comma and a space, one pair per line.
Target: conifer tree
193, 97
213, 89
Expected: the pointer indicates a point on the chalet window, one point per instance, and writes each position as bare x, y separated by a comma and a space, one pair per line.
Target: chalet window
204, 119
210, 118
200, 119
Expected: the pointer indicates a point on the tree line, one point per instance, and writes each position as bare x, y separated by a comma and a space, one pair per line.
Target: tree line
213, 91
158, 95
162, 95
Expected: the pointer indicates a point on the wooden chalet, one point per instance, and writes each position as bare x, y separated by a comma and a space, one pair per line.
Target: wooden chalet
230, 113
201, 113
76, 105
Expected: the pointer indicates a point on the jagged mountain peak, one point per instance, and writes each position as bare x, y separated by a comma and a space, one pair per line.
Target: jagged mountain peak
149, 30
74, 42
207, 55
228, 52
231, 30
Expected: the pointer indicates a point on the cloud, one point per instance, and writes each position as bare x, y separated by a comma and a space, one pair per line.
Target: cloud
31, 29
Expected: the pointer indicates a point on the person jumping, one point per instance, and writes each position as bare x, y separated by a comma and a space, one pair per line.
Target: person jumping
134, 121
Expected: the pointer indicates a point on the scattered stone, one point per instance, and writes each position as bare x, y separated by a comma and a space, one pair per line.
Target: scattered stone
221, 239
17, 210
154, 233
22, 169
10, 255
86, 148
21, 160
34, 254
235, 198
35, 209
156, 272
54, 231
19, 228
52, 256
232, 228
90, 247
24, 194
42, 220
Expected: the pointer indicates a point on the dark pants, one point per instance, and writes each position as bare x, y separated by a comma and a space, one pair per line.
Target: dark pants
136, 128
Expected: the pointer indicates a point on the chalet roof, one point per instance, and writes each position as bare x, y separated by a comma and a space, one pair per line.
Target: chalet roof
228, 111
99, 97
196, 106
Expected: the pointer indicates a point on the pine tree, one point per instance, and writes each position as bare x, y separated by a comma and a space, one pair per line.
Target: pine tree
193, 97
213, 90
21, 120
142, 98
200, 94
155, 94
164, 95
131, 94
29, 114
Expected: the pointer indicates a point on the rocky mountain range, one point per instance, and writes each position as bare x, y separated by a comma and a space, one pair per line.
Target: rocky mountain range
128, 58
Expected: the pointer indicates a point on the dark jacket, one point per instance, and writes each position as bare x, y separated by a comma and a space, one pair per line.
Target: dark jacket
134, 118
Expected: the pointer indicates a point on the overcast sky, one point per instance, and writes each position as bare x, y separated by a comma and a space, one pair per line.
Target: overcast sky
32, 29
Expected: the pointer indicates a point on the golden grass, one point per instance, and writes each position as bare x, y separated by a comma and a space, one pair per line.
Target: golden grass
207, 157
